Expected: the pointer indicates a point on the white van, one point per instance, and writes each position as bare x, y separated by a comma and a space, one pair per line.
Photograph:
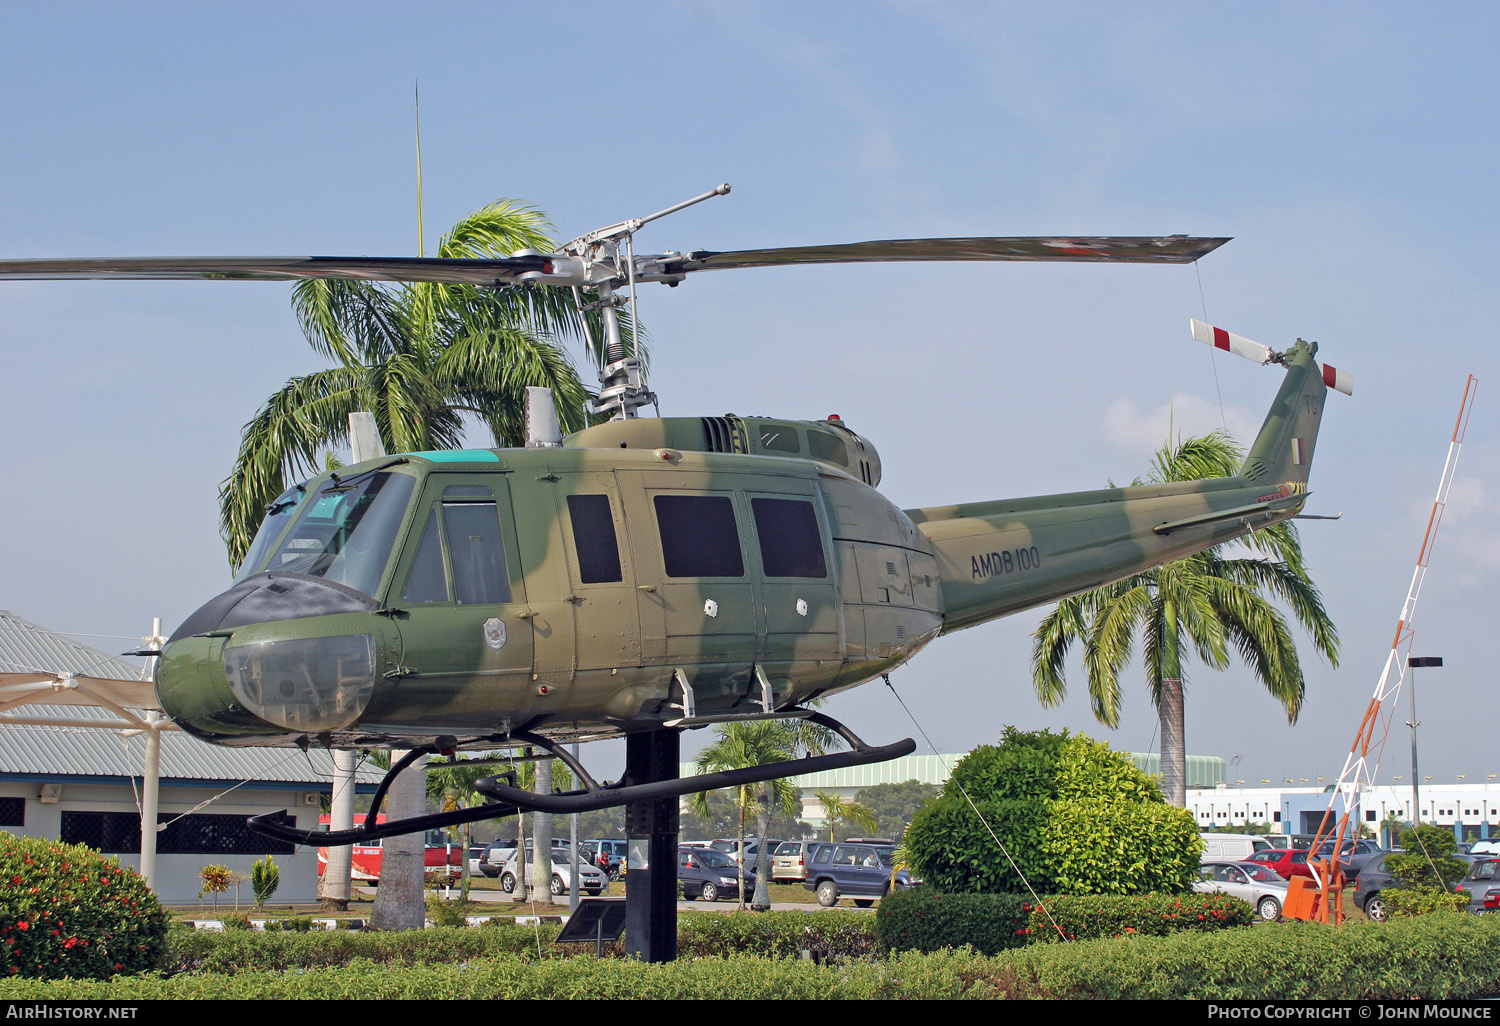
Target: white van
1232, 847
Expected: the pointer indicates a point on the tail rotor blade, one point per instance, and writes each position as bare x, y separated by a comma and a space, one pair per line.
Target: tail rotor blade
1228, 341
1239, 345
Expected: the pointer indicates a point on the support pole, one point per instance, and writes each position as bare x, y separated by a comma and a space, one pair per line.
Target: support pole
150, 794
334, 886
651, 832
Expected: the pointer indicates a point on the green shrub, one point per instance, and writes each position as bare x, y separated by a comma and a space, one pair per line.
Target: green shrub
1074, 816
446, 913
293, 924
924, 919
830, 934
1428, 860
1404, 902
1145, 915
265, 877
66, 910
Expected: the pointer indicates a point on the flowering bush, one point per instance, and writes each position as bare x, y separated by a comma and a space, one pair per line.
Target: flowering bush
66, 910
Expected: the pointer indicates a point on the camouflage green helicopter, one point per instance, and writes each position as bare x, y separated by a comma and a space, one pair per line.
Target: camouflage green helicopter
650, 573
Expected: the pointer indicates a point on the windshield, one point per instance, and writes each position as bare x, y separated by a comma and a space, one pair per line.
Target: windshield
278, 515
345, 532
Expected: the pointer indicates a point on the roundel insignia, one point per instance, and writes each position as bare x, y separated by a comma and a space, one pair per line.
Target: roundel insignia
494, 633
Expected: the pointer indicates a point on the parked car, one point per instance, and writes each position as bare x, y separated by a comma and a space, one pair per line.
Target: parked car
708, 875
1287, 862
1354, 853
499, 852
1253, 882
1232, 847
610, 854
1374, 879
748, 847
590, 880
1482, 885
789, 860
860, 871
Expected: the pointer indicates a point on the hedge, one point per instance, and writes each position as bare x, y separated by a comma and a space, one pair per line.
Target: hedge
1439, 956
923, 919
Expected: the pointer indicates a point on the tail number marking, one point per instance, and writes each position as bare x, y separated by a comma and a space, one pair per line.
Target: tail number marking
994, 564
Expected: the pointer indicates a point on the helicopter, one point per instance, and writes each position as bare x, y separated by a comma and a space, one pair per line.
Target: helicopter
650, 573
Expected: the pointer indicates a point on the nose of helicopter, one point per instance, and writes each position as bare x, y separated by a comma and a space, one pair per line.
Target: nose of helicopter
275, 657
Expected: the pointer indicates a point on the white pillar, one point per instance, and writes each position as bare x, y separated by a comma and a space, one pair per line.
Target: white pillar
150, 786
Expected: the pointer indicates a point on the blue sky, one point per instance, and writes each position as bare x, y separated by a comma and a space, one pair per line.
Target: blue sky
1350, 149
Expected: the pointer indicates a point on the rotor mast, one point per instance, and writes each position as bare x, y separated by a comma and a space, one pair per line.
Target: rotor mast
622, 386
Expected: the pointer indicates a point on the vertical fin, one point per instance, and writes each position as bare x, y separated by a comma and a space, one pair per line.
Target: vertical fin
1283, 451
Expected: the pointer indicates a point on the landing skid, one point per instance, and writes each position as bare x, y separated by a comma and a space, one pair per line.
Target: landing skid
513, 800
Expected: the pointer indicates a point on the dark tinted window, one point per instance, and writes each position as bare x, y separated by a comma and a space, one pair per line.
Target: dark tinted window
426, 582
779, 438
594, 537
790, 545
827, 446
478, 554
699, 536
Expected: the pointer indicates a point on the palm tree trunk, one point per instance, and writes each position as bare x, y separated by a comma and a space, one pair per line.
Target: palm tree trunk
399, 901
762, 900
1173, 744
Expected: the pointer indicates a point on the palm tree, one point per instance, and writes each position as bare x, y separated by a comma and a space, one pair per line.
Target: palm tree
418, 356
744, 743
1205, 602
847, 809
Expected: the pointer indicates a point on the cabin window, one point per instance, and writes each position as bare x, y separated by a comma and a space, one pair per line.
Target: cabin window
699, 536
779, 438
594, 538
477, 553
427, 581
790, 545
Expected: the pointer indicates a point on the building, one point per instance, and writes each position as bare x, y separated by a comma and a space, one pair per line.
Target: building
79, 770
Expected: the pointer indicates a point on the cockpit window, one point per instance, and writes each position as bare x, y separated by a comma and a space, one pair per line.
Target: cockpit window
278, 515
345, 532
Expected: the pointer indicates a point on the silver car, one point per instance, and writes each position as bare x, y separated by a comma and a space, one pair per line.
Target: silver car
1482, 885
590, 880
1260, 885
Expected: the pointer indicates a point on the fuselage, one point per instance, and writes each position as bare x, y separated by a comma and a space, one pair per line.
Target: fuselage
612, 584
650, 573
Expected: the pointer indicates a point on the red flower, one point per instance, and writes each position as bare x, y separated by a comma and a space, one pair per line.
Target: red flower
23, 925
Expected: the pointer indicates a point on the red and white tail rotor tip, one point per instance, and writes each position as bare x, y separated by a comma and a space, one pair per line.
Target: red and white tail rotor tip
1239, 345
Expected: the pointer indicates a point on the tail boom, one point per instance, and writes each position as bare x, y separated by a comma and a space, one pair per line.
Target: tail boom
1000, 557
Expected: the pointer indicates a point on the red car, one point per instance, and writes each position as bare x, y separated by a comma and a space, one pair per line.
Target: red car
1287, 862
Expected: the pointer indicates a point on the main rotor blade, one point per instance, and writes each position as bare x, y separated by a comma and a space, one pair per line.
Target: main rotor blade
496, 271
1170, 249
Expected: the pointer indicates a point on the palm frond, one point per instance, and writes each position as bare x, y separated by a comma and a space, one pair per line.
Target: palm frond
289, 433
